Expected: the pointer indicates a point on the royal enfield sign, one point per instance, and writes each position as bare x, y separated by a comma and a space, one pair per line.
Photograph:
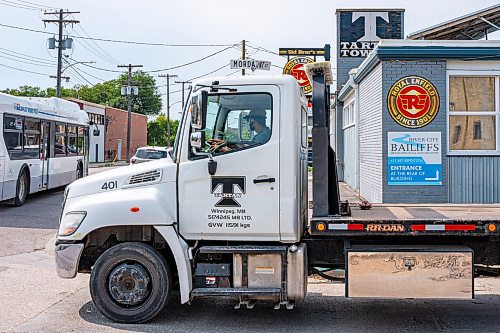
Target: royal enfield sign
360, 31
414, 158
413, 102
295, 67
250, 64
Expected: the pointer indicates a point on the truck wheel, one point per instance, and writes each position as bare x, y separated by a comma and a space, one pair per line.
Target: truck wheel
130, 283
22, 189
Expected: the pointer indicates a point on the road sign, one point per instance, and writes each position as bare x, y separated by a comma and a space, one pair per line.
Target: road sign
250, 64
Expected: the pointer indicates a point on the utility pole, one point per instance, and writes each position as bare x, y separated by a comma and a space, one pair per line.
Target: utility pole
183, 83
243, 55
61, 44
129, 103
168, 76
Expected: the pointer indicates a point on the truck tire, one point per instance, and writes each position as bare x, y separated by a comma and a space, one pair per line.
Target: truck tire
130, 283
22, 188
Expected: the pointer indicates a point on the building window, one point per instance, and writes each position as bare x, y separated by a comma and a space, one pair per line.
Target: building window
473, 114
477, 130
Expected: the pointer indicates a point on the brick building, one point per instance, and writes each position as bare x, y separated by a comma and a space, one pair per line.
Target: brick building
111, 122
116, 133
417, 121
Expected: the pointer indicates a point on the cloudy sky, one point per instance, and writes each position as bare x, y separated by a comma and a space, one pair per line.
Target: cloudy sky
267, 24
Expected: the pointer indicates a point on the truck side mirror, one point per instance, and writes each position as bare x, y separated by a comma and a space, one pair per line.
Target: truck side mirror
198, 110
197, 140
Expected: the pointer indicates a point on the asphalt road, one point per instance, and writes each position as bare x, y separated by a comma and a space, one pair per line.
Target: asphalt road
34, 299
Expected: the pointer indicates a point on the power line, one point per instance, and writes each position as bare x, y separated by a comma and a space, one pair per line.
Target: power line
26, 56
216, 70
102, 69
15, 5
116, 40
24, 70
100, 52
191, 62
38, 5
26, 62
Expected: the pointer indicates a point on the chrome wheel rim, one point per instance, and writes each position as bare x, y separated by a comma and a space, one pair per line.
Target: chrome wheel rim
129, 284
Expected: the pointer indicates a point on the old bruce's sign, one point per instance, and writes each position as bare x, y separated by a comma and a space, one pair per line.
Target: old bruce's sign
360, 31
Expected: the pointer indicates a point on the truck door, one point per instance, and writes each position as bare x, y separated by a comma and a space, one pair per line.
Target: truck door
241, 200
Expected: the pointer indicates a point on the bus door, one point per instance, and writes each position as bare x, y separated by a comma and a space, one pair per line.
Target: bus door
2, 167
44, 153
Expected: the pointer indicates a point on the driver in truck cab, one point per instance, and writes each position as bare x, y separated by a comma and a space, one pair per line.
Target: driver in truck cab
257, 123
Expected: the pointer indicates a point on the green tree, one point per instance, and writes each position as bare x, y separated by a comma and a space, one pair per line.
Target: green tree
148, 101
157, 131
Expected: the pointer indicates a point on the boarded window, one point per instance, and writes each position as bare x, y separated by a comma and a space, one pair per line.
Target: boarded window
472, 133
472, 93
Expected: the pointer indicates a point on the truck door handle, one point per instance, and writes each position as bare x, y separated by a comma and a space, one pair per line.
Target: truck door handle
264, 180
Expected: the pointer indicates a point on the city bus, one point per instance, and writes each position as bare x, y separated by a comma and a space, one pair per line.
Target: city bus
44, 144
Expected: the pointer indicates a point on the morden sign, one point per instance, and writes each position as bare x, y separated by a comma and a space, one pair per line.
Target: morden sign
250, 64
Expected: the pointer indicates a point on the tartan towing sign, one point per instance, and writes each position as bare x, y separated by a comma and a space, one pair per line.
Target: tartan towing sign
414, 158
250, 64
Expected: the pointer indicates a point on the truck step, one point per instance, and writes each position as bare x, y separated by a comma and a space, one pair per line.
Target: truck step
207, 292
243, 249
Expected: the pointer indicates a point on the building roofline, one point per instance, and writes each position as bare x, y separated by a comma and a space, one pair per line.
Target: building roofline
117, 109
426, 50
340, 10
76, 100
453, 22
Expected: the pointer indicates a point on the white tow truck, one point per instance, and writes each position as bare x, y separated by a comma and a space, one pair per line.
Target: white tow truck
226, 215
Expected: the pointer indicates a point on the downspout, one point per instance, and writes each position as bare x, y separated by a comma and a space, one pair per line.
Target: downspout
354, 85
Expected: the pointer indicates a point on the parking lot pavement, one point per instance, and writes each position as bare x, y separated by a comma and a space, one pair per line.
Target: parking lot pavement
65, 305
34, 299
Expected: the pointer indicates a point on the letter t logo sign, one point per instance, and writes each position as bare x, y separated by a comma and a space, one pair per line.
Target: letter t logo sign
370, 24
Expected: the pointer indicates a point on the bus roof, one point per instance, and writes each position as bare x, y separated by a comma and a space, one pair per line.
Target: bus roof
45, 108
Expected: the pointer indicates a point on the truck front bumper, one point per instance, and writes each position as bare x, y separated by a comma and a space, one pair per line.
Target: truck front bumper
67, 259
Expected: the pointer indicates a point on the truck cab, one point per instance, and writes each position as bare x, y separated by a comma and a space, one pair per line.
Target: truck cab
237, 176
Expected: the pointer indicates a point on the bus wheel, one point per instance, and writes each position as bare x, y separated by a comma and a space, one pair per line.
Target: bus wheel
22, 189
79, 171
130, 283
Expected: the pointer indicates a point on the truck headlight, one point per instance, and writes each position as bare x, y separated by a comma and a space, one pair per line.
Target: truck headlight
70, 222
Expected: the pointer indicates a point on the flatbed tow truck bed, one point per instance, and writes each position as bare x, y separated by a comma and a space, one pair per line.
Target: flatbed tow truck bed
401, 219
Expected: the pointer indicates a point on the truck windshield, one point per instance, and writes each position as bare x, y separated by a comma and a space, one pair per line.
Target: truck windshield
240, 120
151, 154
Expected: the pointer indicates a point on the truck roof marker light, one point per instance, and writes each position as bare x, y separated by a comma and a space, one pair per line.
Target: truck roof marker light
134, 209
492, 227
320, 227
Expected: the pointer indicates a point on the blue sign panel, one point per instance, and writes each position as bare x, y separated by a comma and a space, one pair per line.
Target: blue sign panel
414, 158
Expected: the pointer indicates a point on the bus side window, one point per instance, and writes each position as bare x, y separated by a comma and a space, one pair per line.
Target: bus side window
60, 140
31, 138
72, 140
13, 135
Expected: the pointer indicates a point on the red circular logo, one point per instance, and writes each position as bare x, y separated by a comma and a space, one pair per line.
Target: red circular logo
295, 67
413, 102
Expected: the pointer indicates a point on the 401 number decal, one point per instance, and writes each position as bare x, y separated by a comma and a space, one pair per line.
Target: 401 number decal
109, 185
